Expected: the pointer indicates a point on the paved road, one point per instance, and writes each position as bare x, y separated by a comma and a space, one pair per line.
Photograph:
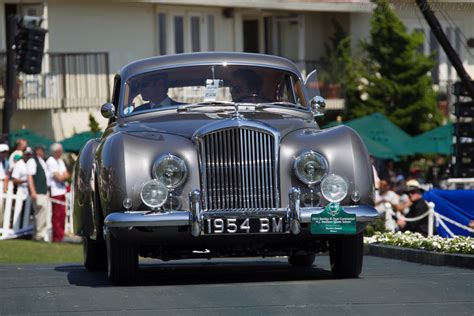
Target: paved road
240, 287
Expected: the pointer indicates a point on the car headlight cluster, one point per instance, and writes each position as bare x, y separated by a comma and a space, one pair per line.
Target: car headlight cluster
170, 170
334, 188
310, 167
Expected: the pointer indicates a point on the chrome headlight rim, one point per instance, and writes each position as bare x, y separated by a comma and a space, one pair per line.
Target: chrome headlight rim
322, 160
180, 162
339, 178
144, 201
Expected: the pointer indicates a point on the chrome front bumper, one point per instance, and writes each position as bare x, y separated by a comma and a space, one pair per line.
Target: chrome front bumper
295, 215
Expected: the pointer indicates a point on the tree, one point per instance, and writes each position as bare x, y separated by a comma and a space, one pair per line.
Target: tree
93, 124
392, 76
337, 50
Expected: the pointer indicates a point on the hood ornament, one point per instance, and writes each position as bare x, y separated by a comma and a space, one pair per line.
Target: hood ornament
236, 114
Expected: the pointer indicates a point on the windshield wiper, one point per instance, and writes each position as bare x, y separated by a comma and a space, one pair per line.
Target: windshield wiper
192, 106
261, 106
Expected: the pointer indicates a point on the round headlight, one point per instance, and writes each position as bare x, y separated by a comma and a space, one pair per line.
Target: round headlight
170, 170
334, 188
310, 167
154, 194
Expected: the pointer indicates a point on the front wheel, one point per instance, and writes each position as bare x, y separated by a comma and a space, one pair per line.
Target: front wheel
122, 261
346, 256
95, 254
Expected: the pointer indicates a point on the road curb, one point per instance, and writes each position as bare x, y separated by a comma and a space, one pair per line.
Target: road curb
420, 256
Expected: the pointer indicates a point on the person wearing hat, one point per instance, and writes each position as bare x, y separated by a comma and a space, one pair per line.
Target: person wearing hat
20, 172
418, 206
38, 186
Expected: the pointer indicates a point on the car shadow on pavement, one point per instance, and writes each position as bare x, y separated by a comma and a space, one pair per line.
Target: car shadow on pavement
201, 273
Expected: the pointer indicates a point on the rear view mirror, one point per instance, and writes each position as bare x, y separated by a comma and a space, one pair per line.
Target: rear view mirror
108, 110
318, 104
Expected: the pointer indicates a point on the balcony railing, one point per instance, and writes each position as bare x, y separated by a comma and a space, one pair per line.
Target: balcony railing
70, 80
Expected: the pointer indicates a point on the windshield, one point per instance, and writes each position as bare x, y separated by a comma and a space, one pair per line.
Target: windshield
216, 84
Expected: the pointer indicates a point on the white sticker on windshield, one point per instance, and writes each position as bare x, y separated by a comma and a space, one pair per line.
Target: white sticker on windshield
212, 86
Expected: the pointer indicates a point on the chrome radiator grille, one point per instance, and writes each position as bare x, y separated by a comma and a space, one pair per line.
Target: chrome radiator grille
238, 169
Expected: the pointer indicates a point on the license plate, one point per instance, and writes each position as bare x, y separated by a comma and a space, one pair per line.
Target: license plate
260, 225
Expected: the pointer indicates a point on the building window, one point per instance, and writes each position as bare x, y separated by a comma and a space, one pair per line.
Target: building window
211, 37
195, 34
178, 34
162, 33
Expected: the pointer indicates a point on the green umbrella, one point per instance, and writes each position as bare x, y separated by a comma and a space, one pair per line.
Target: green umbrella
379, 129
31, 137
436, 141
75, 143
378, 150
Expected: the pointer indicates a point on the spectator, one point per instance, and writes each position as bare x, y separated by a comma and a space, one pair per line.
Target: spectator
4, 167
38, 185
58, 175
20, 147
418, 207
386, 195
20, 172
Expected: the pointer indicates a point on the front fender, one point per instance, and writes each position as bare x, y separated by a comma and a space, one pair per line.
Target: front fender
346, 154
125, 160
83, 179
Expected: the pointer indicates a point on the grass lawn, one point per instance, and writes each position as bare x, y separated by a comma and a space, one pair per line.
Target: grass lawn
27, 251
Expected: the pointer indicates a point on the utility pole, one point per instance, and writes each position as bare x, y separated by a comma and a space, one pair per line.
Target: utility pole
462, 160
444, 42
10, 88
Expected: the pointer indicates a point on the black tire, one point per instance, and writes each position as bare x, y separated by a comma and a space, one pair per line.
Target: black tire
302, 260
95, 254
346, 256
122, 261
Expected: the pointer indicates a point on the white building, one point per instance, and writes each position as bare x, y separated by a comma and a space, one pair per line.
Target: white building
88, 41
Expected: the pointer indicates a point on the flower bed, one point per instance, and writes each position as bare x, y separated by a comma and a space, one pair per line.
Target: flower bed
461, 245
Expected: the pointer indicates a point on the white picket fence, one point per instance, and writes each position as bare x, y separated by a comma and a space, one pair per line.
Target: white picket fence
16, 215
434, 218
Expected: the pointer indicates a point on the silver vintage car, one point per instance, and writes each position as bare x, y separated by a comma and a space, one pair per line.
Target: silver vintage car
211, 155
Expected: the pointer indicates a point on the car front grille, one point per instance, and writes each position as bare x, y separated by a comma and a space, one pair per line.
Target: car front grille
238, 169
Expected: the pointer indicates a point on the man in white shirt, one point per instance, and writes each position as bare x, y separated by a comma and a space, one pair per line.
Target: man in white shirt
383, 196
20, 173
20, 147
38, 185
58, 175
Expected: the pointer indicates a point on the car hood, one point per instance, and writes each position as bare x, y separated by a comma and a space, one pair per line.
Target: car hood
186, 124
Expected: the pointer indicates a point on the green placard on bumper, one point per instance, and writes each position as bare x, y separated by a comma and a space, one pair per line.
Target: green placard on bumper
333, 220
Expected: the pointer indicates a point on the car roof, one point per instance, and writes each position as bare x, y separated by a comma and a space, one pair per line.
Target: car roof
208, 58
